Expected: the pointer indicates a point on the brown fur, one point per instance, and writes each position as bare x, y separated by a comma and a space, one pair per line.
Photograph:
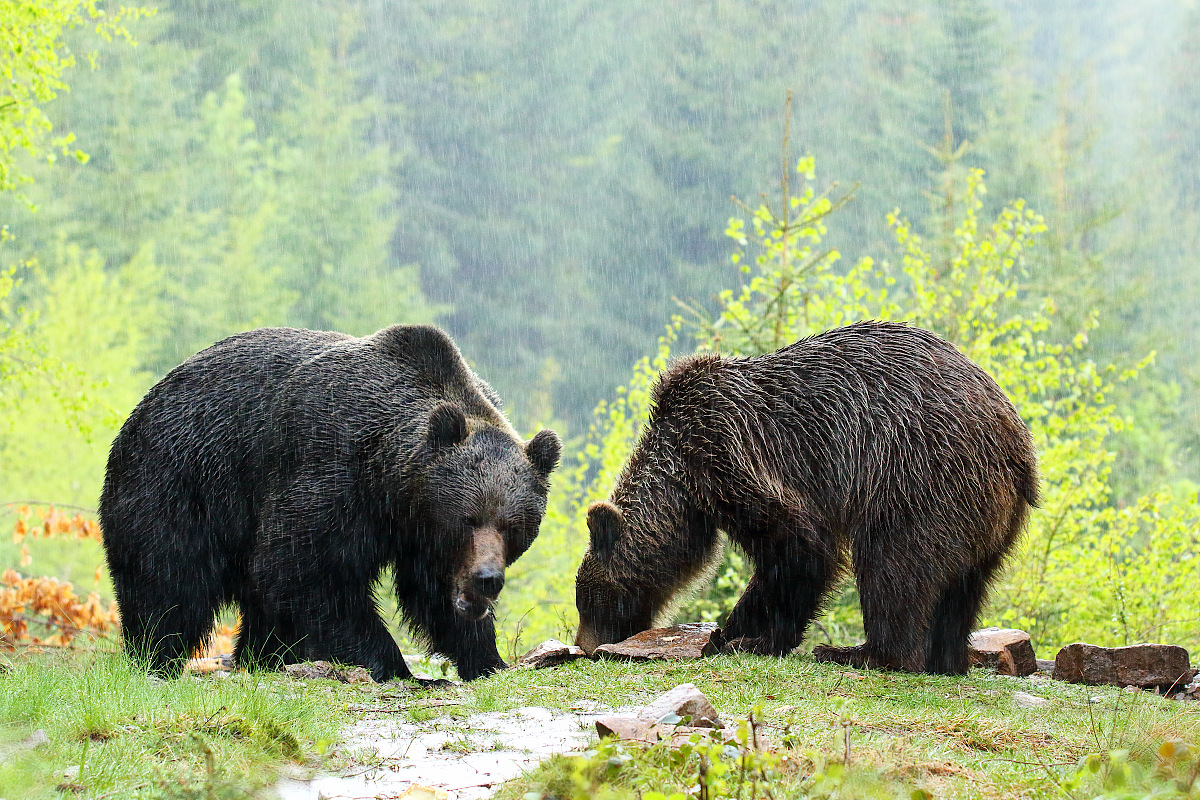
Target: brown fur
876, 439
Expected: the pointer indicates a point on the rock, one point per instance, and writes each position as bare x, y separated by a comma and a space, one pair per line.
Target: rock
679, 642
686, 702
1045, 665
675, 715
1189, 692
626, 726
1026, 700
36, 739
323, 670
1006, 650
634, 729
423, 793
1143, 665
550, 653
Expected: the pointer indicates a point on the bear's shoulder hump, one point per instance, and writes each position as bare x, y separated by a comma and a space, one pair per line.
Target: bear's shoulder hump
425, 349
684, 380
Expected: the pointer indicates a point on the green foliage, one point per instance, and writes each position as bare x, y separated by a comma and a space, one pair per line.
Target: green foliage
228, 275
33, 59
703, 764
74, 372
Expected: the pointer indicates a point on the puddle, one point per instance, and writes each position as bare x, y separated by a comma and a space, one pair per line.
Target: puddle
467, 758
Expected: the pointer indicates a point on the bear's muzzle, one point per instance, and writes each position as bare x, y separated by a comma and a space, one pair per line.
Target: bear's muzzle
480, 581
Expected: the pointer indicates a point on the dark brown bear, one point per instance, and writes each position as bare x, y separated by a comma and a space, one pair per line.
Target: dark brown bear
876, 438
283, 471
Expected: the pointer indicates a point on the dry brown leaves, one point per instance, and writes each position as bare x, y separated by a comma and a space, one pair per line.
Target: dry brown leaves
50, 605
49, 523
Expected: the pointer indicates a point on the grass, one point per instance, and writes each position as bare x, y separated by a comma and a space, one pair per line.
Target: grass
114, 732
962, 738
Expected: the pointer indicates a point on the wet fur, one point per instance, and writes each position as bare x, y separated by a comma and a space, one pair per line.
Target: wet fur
878, 441
282, 471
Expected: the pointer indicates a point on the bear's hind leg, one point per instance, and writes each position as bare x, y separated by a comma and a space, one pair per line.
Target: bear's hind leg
954, 619
897, 592
789, 584
162, 629
265, 640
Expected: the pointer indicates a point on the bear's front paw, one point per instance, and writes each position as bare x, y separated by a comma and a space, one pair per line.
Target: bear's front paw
473, 672
846, 656
860, 657
755, 645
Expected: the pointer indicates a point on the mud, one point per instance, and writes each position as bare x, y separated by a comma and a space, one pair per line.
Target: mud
467, 758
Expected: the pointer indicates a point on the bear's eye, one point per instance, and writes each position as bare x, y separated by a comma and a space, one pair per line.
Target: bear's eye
473, 521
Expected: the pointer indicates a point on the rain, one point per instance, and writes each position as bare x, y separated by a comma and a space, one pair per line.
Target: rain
580, 196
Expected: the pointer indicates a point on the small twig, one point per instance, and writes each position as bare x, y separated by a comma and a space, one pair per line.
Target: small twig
9, 503
122, 790
1050, 774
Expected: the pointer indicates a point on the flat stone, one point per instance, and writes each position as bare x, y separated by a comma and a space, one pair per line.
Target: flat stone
323, 670
1007, 650
1144, 665
1189, 692
678, 642
36, 739
675, 715
624, 726
631, 728
1027, 700
686, 702
550, 653
1045, 665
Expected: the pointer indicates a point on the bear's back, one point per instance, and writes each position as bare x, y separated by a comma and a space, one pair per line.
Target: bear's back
219, 393
870, 415
194, 448
369, 400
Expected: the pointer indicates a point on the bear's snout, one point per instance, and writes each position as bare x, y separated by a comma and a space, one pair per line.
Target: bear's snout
488, 582
482, 576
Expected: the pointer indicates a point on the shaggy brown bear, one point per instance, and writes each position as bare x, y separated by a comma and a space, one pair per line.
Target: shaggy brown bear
282, 471
877, 438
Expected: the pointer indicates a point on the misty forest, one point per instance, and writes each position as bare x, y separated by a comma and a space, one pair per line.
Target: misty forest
578, 192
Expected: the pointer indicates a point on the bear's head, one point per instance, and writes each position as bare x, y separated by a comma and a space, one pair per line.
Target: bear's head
484, 494
612, 605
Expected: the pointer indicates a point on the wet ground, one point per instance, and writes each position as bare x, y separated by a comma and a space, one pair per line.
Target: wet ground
468, 758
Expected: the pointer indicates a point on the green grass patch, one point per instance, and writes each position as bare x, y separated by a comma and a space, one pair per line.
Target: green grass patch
112, 731
944, 737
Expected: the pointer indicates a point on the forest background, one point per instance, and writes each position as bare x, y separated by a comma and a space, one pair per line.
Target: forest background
551, 182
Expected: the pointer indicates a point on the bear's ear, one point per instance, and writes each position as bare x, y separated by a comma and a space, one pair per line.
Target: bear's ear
447, 426
543, 451
605, 522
